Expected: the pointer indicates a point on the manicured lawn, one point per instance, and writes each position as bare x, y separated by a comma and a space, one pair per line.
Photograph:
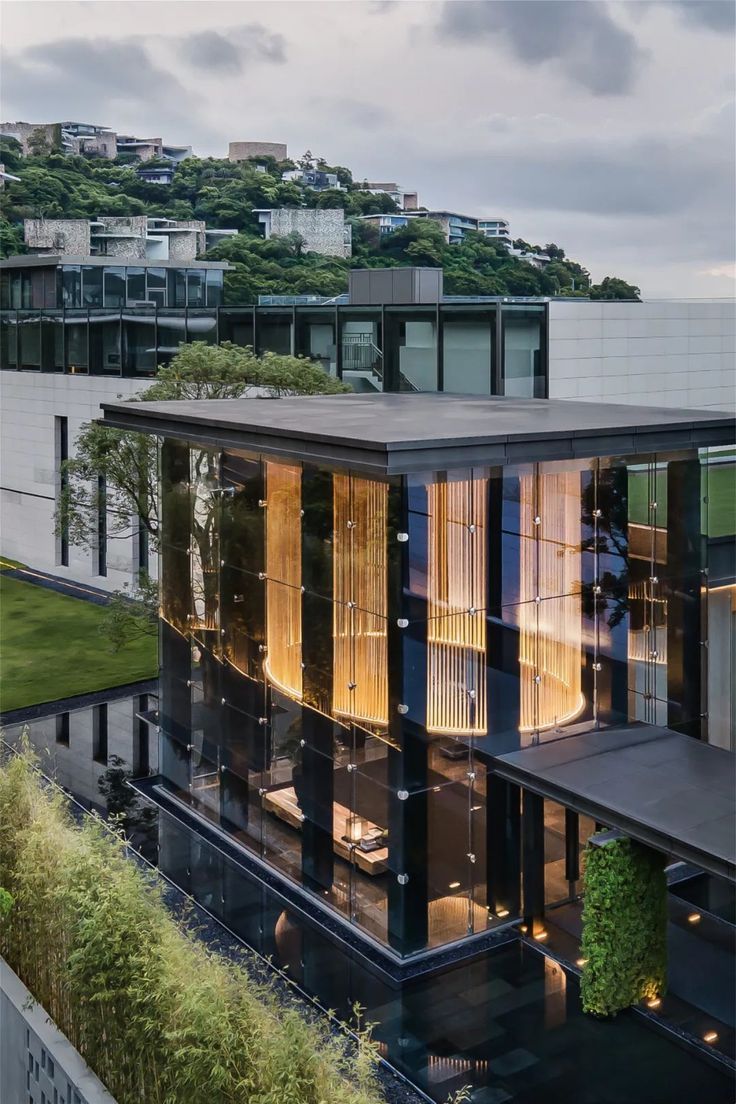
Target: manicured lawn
51, 647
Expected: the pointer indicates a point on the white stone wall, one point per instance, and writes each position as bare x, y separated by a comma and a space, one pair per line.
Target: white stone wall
323, 231
37, 1062
679, 353
29, 402
58, 235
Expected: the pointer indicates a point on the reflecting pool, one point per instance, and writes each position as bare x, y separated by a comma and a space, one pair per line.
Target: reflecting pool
507, 1024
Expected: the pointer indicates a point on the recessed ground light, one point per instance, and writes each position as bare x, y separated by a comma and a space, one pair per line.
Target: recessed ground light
523, 928
454, 885
694, 918
654, 1002
542, 935
501, 913
711, 1037
581, 961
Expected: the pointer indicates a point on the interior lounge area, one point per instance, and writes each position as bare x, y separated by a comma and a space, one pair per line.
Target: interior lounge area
359, 617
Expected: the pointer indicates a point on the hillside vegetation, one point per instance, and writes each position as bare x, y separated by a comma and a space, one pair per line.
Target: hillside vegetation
222, 193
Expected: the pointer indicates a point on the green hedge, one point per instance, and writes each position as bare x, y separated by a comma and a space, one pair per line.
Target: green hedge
156, 1015
624, 926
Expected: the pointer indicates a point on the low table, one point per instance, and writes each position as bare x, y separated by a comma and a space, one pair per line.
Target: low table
284, 804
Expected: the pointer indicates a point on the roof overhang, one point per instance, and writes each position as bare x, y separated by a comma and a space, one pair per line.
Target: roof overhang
393, 434
667, 790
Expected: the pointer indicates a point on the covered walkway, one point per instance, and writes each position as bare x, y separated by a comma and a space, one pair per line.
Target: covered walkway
669, 791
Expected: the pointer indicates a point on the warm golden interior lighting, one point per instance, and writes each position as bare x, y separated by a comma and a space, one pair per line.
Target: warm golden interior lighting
360, 607
456, 608
648, 644
284, 576
551, 629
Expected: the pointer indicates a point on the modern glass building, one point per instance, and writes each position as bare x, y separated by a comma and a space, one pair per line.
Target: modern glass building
369, 603
99, 318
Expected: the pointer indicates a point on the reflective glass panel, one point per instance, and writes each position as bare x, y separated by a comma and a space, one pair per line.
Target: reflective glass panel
114, 287
522, 342
467, 343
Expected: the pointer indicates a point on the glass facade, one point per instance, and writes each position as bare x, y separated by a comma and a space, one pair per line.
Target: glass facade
342, 657
471, 348
95, 285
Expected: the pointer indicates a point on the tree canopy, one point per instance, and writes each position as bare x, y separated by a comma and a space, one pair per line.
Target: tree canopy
224, 194
121, 465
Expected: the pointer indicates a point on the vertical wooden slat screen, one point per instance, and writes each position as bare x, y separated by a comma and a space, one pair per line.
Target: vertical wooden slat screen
360, 608
550, 645
456, 608
284, 578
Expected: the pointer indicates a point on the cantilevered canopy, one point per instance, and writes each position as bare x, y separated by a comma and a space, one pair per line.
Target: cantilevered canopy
667, 790
394, 434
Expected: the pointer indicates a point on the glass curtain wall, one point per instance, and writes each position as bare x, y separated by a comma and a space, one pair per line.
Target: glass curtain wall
524, 351
341, 655
467, 351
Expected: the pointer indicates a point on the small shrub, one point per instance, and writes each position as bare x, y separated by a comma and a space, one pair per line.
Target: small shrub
624, 926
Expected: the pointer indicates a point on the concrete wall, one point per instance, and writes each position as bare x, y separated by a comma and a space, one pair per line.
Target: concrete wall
323, 230
656, 353
133, 249
57, 235
242, 151
104, 144
37, 1062
24, 132
29, 403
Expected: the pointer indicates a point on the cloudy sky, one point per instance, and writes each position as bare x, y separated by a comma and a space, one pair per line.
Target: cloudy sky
605, 127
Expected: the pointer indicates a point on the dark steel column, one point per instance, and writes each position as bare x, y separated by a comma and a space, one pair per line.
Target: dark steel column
497, 373
503, 679
503, 847
407, 760
572, 846
532, 833
682, 591
316, 788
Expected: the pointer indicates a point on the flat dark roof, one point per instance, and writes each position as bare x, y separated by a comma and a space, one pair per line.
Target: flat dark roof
670, 791
51, 260
394, 433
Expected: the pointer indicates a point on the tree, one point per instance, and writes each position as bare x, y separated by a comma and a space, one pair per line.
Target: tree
38, 143
554, 252
224, 194
307, 160
126, 462
611, 287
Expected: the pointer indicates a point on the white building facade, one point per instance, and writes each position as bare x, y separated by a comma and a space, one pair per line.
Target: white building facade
669, 352
41, 416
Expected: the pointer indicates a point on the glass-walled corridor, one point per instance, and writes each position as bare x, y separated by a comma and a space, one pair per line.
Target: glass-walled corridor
470, 348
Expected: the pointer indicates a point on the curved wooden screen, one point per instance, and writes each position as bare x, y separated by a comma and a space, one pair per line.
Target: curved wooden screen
551, 646
284, 577
360, 607
457, 599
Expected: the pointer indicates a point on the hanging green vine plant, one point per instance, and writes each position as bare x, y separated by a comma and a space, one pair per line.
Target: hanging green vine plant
624, 926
